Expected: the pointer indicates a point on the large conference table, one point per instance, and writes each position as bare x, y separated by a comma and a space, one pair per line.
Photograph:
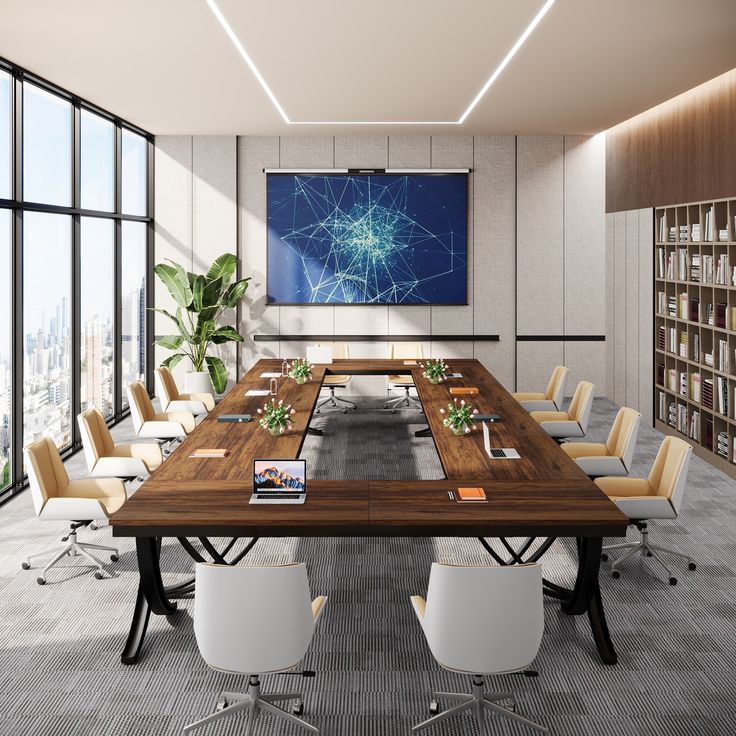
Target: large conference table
541, 496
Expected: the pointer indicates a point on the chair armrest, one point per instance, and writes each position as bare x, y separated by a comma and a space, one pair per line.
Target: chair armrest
562, 429
646, 507
76, 509
161, 430
318, 605
119, 467
598, 465
207, 399
420, 605
189, 406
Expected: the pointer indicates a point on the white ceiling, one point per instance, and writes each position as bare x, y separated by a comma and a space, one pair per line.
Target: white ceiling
169, 67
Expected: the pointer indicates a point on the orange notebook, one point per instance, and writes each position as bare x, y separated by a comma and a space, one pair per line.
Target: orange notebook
471, 495
210, 452
464, 391
410, 362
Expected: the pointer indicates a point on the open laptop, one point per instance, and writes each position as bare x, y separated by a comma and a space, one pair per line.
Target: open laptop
497, 453
279, 481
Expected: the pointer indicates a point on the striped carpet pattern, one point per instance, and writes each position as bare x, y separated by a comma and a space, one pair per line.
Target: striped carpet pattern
60, 673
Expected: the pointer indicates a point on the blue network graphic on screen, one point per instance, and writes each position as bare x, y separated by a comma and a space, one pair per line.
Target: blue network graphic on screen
367, 239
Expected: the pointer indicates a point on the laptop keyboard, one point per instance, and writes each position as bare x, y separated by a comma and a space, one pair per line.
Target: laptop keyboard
496, 452
272, 496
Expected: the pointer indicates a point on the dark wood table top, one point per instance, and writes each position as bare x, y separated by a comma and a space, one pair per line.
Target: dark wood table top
542, 494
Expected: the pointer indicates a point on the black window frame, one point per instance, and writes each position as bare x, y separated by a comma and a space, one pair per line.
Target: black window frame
18, 206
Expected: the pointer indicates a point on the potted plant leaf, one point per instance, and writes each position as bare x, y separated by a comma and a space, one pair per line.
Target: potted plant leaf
201, 301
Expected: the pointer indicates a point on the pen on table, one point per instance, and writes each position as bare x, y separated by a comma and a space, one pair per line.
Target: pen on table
451, 495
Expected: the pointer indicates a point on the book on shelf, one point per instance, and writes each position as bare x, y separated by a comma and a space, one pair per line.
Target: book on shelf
706, 388
661, 303
683, 233
723, 356
721, 276
695, 386
662, 406
708, 314
708, 359
695, 231
695, 267
731, 321
733, 455
672, 414
722, 444
683, 264
722, 395
684, 311
662, 229
733, 276
684, 383
708, 427
672, 235
696, 347
661, 271
662, 338
673, 340
683, 344
723, 234
721, 315
682, 418
672, 379
694, 428
660, 374
672, 306
709, 224
694, 309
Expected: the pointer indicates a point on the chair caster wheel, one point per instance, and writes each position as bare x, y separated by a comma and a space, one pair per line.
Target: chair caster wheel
434, 707
99, 575
691, 566
113, 558
673, 581
93, 527
344, 411
604, 557
393, 411
222, 704
25, 566
41, 581
298, 709
615, 574
649, 554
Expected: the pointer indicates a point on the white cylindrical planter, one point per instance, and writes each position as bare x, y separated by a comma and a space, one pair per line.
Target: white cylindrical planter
197, 382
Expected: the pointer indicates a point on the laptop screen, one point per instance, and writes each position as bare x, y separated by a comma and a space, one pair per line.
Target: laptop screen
272, 476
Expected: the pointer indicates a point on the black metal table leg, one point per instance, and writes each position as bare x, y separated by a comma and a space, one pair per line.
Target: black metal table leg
599, 627
149, 550
315, 431
138, 626
426, 432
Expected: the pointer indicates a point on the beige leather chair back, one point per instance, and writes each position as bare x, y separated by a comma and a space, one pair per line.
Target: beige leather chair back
166, 386
556, 387
582, 403
669, 472
46, 474
622, 437
406, 350
340, 350
96, 438
141, 408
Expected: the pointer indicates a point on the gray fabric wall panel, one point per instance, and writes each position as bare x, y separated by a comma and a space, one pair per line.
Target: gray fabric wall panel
585, 237
631, 292
361, 151
587, 362
646, 314
535, 362
456, 152
540, 254
494, 252
255, 154
306, 152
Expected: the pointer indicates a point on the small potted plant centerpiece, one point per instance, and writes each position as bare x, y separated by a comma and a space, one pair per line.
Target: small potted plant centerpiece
460, 417
435, 370
300, 370
276, 418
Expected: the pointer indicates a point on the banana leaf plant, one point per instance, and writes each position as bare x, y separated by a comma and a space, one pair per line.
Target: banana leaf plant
200, 302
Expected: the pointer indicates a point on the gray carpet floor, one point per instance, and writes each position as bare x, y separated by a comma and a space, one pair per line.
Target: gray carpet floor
60, 672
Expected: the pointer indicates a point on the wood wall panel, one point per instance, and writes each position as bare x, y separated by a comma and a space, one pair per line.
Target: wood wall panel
680, 151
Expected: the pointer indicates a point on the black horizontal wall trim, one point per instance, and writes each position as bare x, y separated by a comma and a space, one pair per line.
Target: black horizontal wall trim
560, 338
377, 338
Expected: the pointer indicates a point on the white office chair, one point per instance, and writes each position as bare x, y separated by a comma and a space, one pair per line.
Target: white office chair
254, 620
481, 620
615, 456
574, 421
56, 498
554, 396
332, 382
171, 400
657, 497
406, 351
165, 427
105, 459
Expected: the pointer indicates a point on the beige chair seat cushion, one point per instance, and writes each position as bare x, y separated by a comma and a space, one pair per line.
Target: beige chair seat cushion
616, 488
149, 452
110, 492
182, 417
550, 416
584, 449
338, 380
207, 399
529, 396
401, 380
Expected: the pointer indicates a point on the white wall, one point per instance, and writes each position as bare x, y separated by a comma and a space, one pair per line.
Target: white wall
536, 239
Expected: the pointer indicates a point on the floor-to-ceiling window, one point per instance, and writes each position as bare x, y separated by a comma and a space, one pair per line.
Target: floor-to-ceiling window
75, 257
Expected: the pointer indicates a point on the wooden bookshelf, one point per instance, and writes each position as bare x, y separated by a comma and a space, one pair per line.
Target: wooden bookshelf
695, 327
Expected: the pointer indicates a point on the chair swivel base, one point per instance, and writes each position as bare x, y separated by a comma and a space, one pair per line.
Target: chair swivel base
73, 548
334, 400
407, 400
252, 703
647, 550
479, 702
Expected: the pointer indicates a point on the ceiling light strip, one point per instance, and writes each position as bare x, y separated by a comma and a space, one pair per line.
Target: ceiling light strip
489, 83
